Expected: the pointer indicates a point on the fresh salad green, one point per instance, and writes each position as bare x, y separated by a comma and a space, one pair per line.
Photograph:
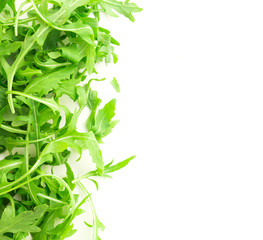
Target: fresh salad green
48, 48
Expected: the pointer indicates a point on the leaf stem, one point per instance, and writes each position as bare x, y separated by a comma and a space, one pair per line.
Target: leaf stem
72, 200
33, 197
96, 223
41, 100
13, 69
18, 15
12, 130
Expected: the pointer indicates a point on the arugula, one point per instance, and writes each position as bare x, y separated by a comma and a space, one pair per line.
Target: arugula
48, 48
125, 8
23, 222
115, 85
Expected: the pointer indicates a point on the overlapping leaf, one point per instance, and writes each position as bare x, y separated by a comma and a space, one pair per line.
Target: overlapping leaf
23, 222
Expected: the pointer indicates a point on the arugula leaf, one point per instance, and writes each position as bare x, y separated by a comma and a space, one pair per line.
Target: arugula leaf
7, 49
103, 123
112, 168
23, 222
6, 166
50, 81
11, 3
28, 73
11, 71
109, 168
2, 4
115, 85
48, 102
3, 100
70, 52
125, 8
68, 87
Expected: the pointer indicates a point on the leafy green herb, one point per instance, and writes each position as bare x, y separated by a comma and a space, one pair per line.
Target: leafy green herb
48, 49
23, 222
115, 85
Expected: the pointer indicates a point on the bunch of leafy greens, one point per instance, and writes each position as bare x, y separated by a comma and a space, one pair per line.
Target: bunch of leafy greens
47, 47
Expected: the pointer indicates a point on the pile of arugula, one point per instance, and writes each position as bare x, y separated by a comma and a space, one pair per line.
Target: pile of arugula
47, 47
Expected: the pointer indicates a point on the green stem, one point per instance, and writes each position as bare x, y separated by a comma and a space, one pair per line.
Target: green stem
22, 13
82, 177
12, 130
72, 200
13, 69
23, 142
50, 198
94, 214
48, 22
41, 100
11, 184
37, 130
12, 202
33, 197
18, 15
20, 21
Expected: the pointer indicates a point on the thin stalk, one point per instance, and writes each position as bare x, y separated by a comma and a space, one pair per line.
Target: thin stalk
12, 71
22, 13
12, 130
72, 200
20, 21
41, 100
11, 184
33, 197
36, 127
82, 177
18, 15
50, 198
23, 142
94, 214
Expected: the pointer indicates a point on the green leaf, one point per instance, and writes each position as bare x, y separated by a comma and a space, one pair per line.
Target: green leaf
2, 4
3, 100
24, 222
51, 40
11, 3
77, 141
86, 51
112, 168
109, 168
70, 176
125, 8
50, 63
83, 30
6, 166
115, 85
48, 102
103, 124
61, 16
68, 87
70, 52
28, 73
11, 71
50, 81
7, 49
5, 238
91, 144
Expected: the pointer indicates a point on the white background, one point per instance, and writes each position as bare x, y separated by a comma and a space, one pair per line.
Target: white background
191, 110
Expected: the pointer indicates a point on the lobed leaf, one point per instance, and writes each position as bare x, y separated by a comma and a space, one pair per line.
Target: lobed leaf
23, 222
